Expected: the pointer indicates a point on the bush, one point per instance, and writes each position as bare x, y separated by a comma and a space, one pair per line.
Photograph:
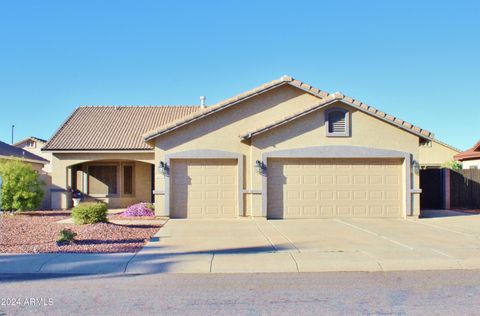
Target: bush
21, 187
66, 236
453, 164
90, 213
139, 209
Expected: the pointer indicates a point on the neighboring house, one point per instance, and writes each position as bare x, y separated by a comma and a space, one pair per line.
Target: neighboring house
470, 158
38, 163
35, 145
11, 152
282, 150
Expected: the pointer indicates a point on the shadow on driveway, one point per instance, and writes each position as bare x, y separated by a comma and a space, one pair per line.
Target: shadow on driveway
444, 213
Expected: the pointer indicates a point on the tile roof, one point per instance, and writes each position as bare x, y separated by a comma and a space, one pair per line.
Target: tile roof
9, 151
113, 127
472, 153
273, 84
335, 97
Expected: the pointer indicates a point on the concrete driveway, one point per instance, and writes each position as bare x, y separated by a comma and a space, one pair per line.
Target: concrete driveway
257, 245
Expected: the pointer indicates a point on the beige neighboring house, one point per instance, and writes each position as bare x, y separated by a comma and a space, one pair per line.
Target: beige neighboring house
470, 158
11, 152
37, 162
282, 150
35, 145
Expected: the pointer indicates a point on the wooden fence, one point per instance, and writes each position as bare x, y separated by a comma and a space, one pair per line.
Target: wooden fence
432, 183
465, 189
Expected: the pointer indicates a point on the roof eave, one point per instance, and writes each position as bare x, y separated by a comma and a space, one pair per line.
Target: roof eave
151, 135
93, 150
338, 97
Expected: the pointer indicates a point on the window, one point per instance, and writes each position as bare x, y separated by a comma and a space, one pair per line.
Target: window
337, 122
425, 143
128, 179
102, 179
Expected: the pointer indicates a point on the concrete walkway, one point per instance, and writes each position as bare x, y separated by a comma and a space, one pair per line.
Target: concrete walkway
256, 245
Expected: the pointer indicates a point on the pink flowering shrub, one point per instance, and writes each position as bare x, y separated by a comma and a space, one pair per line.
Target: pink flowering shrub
139, 209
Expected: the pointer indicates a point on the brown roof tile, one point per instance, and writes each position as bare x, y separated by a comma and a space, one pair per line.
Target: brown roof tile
113, 127
472, 153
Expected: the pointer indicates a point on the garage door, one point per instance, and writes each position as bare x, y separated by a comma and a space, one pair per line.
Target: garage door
203, 188
323, 188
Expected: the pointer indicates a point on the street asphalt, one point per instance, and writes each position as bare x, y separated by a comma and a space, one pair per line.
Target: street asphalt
450, 292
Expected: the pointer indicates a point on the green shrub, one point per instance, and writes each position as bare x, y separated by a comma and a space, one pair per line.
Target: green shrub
89, 213
453, 164
21, 186
66, 236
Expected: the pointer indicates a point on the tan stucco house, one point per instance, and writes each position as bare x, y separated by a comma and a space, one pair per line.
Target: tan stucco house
35, 145
11, 152
282, 150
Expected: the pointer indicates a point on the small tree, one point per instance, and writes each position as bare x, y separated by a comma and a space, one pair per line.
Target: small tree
21, 187
452, 164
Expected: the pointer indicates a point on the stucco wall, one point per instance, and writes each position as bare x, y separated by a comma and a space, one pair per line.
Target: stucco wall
469, 164
436, 154
221, 131
366, 131
61, 175
37, 150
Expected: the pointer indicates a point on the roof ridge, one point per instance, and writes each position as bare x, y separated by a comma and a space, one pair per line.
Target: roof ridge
138, 106
285, 79
384, 115
338, 96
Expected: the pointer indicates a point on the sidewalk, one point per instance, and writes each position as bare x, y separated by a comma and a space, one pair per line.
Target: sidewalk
263, 262
261, 246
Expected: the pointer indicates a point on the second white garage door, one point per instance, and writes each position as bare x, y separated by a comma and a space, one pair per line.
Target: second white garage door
203, 188
325, 188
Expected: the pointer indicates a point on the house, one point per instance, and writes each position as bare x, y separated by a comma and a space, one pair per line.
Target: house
34, 145
470, 158
11, 152
282, 150
38, 163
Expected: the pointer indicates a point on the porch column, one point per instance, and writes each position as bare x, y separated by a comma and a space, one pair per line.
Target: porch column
61, 179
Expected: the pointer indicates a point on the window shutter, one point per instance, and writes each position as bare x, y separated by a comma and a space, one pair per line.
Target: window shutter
337, 122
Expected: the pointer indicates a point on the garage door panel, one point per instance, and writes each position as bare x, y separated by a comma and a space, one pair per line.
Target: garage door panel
308, 188
204, 188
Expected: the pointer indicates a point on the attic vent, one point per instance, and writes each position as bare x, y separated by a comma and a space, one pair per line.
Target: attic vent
337, 122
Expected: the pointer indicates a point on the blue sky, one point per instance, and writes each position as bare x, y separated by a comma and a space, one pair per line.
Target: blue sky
418, 60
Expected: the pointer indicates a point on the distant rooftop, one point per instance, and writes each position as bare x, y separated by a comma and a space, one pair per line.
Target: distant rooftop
9, 151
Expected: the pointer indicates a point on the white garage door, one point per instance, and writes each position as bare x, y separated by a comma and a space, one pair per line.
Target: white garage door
203, 188
325, 188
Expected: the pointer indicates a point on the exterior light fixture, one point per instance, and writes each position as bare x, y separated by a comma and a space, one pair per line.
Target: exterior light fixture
260, 167
416, 166
163, 168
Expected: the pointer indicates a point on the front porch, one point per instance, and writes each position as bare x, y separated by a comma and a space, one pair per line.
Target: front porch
118, 181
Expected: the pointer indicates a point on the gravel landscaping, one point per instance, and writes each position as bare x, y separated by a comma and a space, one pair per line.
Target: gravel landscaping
37, 232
